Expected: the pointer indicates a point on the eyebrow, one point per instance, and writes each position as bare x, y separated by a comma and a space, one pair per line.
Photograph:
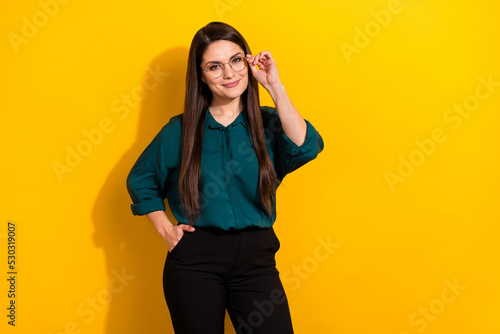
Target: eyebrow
218, 62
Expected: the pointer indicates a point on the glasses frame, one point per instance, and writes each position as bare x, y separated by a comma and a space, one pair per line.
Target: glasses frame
224, 67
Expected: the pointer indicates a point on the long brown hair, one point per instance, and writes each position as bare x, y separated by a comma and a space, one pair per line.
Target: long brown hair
197, 100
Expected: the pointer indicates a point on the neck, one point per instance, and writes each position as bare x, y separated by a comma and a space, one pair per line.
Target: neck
229, 108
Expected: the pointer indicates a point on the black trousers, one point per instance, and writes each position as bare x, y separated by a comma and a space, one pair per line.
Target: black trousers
211, 270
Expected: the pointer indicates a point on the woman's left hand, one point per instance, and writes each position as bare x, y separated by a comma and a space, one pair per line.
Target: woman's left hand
267, 73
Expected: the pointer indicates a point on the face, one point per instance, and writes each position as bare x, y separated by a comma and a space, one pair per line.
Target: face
231, 84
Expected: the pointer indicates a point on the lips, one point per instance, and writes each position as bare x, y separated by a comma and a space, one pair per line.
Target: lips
232, 84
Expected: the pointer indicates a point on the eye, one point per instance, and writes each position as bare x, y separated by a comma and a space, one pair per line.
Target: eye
214, 67
236, 60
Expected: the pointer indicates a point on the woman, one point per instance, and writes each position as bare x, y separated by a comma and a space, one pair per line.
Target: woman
219, 164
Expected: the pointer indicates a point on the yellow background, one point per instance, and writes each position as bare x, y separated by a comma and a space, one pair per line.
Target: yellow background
397, 248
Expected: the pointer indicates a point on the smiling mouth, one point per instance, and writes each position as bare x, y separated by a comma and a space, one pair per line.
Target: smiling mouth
232, 84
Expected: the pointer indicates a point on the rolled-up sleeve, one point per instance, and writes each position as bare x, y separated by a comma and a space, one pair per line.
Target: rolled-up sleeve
288, 155
146, 182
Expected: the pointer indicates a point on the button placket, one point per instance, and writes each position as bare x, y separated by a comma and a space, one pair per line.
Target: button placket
224, 144
226, 156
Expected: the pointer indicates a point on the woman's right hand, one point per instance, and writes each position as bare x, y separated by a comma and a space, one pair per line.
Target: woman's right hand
171, 233
175, 233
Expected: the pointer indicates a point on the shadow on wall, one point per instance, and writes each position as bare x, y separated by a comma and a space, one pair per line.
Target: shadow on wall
134, 251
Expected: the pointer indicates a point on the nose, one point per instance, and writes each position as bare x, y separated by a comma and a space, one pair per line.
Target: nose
228, 72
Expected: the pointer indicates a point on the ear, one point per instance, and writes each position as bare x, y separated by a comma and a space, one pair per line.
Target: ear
202, 76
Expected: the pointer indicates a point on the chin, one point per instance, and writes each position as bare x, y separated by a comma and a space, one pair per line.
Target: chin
234, 94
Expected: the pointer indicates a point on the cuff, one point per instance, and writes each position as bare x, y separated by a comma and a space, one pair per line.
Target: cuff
309, 144
154, 204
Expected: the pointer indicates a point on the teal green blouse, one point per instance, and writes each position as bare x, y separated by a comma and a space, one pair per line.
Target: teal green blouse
229, 170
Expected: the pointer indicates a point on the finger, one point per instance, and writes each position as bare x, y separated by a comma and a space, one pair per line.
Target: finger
261, 63
254, 57
253, 68
267, 54
187, 228
266, 57
256, 66
266, 60
256, 61
251, 60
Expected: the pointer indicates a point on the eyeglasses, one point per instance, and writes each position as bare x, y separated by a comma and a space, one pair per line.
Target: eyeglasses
216, 70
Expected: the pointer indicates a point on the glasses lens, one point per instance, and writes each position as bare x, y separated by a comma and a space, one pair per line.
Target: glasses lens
214, 70
238, 64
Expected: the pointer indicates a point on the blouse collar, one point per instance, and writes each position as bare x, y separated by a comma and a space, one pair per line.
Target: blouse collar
242, 118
